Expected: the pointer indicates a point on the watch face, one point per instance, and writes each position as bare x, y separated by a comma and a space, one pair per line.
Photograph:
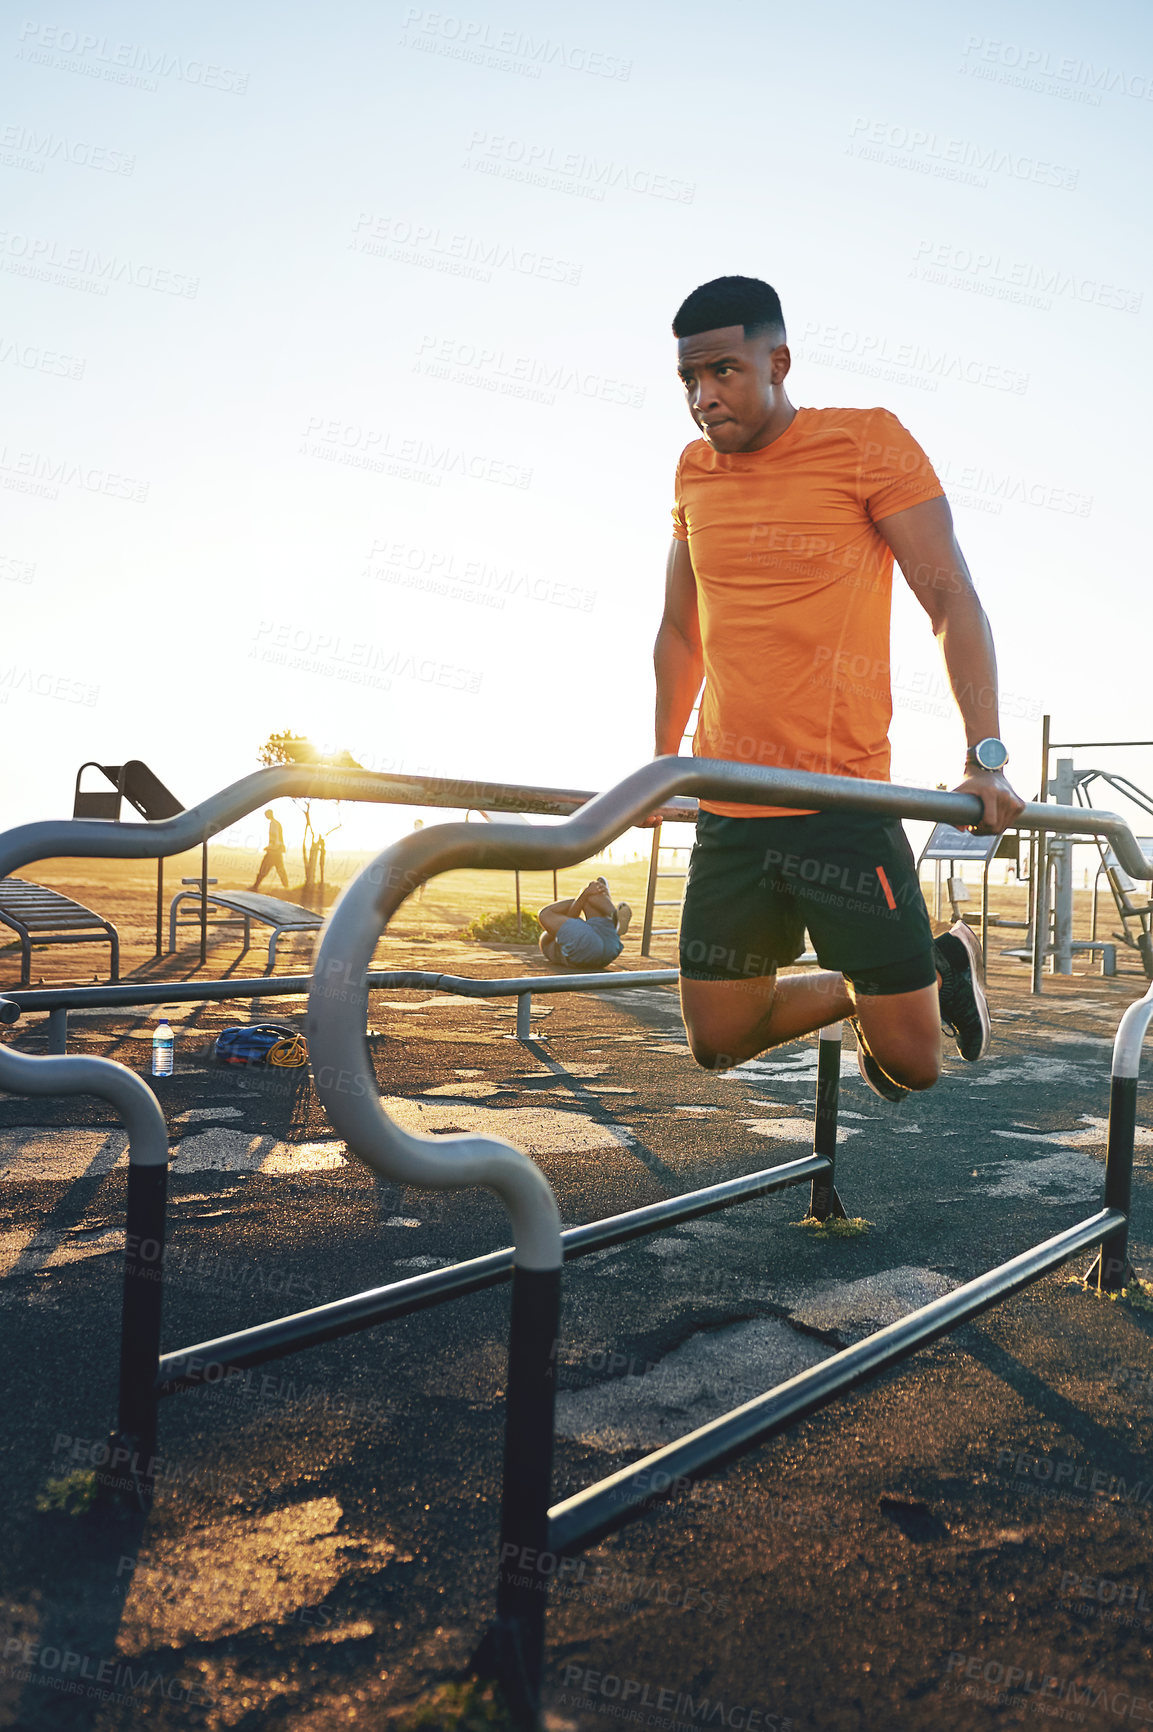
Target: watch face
991, 754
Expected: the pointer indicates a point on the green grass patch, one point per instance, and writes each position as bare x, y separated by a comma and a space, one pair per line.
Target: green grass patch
854, 1228
467, 1707
503, 924
73, 1495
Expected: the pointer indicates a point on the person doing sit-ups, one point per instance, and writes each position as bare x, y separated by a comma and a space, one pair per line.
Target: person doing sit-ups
570, 942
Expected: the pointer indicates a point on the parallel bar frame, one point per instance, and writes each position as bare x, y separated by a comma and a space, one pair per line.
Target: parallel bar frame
538, 1253
209, 1362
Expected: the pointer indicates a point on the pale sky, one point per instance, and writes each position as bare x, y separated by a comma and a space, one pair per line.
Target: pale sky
339, 393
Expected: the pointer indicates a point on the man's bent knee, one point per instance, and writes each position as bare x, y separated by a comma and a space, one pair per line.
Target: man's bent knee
917, 1074
708, 1057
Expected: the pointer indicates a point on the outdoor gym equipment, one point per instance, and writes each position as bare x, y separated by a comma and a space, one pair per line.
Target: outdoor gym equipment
534, 1538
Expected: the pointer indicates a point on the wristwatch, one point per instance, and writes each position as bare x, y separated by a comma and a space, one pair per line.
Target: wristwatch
987, 754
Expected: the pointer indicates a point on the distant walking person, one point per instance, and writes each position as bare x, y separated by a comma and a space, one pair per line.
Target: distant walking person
570, 942
273, 854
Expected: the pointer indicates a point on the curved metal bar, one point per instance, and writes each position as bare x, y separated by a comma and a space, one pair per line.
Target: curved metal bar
346, 1082
22, 1074
84, 838
656, 790
1131, 1032
338, 1000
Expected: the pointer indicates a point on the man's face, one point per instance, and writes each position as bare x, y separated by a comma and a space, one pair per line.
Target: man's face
731, 383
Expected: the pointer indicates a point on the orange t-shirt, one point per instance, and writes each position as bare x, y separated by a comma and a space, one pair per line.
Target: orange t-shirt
794, 584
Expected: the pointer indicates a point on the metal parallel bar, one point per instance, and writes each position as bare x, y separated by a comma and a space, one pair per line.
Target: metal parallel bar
667, 788
338, 1001
212, 1361
297, 985
581, 1521
81, 838
209, 1362
618, 1229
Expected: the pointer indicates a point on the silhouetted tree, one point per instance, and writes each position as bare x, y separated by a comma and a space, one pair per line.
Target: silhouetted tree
290, 748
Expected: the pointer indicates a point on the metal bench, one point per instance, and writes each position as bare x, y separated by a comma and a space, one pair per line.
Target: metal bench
245, 906
41, 916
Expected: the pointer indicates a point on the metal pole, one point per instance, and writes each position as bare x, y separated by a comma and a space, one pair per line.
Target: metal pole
1062, 849
1110, 1270
132, 1457
215, 1361
57, 1031
1041, 875
203, 903
160, 906
823, 1199
985, 918
515, 1645
651, 890
524, 1016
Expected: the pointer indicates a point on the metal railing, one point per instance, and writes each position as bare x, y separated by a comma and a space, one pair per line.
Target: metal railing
57, 1001
533, 1536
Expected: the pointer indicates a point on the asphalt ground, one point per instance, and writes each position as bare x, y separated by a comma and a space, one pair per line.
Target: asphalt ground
964, 1542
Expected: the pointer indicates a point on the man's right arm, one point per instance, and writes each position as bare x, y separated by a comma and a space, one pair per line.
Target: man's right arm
677, 656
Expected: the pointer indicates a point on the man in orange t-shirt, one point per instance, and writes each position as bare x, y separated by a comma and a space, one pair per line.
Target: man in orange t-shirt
785, 527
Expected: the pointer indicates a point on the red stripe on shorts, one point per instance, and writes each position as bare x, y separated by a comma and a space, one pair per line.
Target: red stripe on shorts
885, 887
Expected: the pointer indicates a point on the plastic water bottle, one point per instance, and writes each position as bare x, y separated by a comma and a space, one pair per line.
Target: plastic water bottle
163, 1042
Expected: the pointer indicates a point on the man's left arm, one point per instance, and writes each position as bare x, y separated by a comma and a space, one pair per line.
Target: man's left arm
926, 550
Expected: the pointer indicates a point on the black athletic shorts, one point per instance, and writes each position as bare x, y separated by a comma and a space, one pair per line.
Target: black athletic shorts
755, 884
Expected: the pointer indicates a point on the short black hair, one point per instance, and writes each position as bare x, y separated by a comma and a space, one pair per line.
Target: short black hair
731, 301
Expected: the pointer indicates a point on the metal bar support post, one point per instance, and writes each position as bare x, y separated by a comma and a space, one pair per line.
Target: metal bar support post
985, 917
204, 905
514, 1647
1061, 849
1040, 897
133, 1446
132, 1459
524, 1016
823, 1199
651, 889
1111, 1270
